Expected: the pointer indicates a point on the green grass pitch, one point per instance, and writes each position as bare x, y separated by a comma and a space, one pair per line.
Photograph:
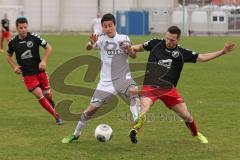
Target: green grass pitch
211, 91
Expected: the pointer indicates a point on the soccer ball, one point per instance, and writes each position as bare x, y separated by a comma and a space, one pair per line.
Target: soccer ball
103, 133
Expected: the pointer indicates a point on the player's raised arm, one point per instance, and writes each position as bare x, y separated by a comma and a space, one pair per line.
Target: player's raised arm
43, 63
228, 47
92, 42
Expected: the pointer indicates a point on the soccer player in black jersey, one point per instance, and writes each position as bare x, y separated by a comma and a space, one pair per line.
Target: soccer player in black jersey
5, 31
165, 63
26, 45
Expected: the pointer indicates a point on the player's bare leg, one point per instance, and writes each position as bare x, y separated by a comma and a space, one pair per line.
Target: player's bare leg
82, 123
135, 110
146, 103
45, 104
182, 111
49, 95
134, 103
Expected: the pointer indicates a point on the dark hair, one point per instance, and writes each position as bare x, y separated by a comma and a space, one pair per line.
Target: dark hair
108, 17
174, 30
21, 20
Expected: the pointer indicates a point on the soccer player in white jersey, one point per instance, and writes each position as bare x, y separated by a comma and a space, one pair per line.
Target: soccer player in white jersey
96, 24
115, 77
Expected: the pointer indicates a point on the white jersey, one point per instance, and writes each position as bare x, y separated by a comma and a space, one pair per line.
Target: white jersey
97, 26
114, 59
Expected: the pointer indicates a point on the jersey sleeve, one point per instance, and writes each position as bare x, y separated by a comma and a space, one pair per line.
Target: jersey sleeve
40, 41
149, 45
10, 49
125, 40
128, 39
188, 55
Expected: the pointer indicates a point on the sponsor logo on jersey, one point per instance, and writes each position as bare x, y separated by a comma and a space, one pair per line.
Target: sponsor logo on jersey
27, 54
165, 63
175, 54
29, 44
111, 48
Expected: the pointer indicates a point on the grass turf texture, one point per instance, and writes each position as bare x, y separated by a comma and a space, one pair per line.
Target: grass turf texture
211, 91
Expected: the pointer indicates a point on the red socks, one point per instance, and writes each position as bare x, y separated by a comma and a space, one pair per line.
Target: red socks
192, 126
46, 105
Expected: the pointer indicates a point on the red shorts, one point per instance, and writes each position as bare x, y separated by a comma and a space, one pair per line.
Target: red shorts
37, 80
5, 34
170, 97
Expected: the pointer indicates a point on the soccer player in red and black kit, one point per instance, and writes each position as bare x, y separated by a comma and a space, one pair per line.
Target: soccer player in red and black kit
26, 48
5, 31
163, 71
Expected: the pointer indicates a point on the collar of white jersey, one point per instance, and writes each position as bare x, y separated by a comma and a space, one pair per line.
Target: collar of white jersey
113, 36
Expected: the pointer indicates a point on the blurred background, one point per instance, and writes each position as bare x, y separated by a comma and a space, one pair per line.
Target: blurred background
134, 17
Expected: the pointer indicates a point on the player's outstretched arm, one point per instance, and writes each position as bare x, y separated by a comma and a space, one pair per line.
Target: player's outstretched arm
127, 48
131, 53
92, 42
228, 47
16, 68
43, 63
132, 50
138, 48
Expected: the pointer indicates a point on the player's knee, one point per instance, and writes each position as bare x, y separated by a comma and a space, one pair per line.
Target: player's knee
97, 102
49, 96
38, 96
132, 90
187, 117
90, 111
47, 93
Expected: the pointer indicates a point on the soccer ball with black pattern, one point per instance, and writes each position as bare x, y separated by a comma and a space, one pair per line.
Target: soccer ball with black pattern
103, 133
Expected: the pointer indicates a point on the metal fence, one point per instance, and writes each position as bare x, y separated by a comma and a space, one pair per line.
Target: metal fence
195, 21
76, 15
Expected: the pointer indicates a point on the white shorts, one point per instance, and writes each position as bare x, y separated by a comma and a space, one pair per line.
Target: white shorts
105, 90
